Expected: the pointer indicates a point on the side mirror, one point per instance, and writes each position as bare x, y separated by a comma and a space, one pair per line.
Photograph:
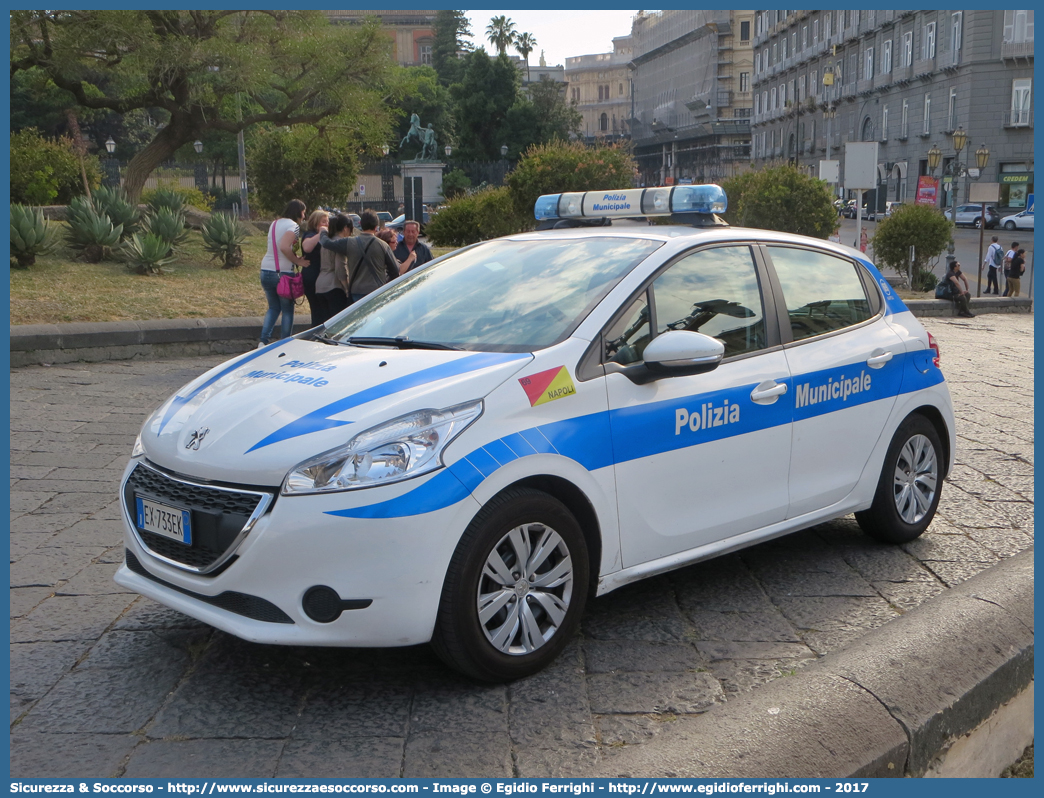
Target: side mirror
683, 352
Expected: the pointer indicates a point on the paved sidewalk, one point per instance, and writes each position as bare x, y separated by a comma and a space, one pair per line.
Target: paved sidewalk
106, 683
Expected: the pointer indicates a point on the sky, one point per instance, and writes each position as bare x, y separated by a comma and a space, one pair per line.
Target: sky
560, 34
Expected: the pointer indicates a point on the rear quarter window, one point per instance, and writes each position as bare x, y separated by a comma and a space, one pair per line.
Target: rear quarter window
823, 292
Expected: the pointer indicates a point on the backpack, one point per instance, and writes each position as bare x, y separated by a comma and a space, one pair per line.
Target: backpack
997, 257
944, 290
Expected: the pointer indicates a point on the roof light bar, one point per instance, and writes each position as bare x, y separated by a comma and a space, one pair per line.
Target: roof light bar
660, 201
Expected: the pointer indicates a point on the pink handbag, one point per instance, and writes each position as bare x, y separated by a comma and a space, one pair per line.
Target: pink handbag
291, 284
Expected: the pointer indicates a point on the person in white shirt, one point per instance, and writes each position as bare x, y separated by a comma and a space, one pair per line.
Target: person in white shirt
1008, 256
992, 262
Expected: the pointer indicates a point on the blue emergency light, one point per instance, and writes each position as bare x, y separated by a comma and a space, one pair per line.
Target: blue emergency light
660, 201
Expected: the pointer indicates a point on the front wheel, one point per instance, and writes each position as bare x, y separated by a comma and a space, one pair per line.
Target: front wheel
515, 588
978, 222
911, 480
1009, 225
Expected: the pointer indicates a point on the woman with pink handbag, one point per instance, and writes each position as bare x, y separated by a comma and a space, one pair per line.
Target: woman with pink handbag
278, 263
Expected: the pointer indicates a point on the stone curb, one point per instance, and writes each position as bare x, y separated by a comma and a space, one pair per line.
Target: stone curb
33, 344
887, 705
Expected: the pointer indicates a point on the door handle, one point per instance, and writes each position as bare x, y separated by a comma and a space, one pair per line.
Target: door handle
768, 391
878, 358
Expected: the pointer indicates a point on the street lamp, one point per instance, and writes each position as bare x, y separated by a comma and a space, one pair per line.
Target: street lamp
201, 169
198, 147
110, 146
503, 150
982, 157
448, 150
111, 165
385, 149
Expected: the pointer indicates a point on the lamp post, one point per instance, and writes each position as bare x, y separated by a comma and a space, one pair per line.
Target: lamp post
201, 168
828, 115
982, 157
448, 150
387, 176
503, 163
111, 166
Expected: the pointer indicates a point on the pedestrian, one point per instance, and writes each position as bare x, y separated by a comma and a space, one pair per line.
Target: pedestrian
955, 277
836, 235
863, 239
313, 252
1017, 269
388, 236
331, 287
370, 261
992, 261
1008, 256
280, 258
411, 253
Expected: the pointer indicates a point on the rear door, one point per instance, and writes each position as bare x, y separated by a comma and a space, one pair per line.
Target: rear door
846, 370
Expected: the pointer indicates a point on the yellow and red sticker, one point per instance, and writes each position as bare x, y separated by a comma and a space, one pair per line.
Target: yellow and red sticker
546, 386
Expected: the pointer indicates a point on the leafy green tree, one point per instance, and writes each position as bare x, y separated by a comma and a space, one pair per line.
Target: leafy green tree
542, 117
781, 198
452, 30
559, 166
211, 70
482, 99
318, 166
921, 226
525, 43
421, 93
455, 183
501, 33
46, 171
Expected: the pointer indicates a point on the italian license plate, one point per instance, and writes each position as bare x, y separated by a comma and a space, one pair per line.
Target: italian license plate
162, 519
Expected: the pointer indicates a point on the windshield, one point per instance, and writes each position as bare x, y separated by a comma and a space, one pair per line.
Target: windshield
502, 295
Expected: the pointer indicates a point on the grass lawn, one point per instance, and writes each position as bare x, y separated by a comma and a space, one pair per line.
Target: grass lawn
58, 289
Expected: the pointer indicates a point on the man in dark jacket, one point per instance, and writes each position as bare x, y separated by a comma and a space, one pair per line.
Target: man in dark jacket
411, 253
371, 263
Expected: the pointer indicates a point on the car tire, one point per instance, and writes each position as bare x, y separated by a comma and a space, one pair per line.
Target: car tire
1009, 225
977, 223
910, 484
498, 623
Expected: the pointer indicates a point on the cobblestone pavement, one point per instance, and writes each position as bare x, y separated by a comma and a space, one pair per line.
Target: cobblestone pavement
106, 683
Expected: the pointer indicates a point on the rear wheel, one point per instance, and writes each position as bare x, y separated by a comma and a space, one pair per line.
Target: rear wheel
978, 222
911, 480
1009, 225
515, 588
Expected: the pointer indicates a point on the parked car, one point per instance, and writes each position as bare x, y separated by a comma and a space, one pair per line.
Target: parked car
693, 389
972, 215
873, 215
849, 210
1019, 221
384, 217
355, 220
400, 220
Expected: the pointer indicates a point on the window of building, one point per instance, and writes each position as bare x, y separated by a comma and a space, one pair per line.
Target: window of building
927, 114
884, 123
741, 113
867, 132
621, 90
576, 94
764, 102
783, 95
757, 103
745, 31
1018, 26
804, 37
928, 42
794, 43
904, 127
425, 53
1020, 101
815, 31
801, 89
603, 122
775, 53
744, 81
868, 63
827, 23
772, 99
853, 67
813, 82
955, 31
907, 48
886, 57
951, 113
786, 47
600, 95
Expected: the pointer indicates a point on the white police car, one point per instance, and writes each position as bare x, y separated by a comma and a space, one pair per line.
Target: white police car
467, 454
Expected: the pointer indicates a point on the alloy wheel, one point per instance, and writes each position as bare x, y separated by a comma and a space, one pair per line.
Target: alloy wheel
916, 479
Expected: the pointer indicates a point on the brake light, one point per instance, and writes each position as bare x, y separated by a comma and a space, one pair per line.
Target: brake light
935, 348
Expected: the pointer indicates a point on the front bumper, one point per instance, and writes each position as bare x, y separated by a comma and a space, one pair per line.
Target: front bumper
397, 564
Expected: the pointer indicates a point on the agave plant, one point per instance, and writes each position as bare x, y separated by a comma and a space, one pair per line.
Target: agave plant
146, 254
113, 203
166, 198
91, 233
168, 225
31, 235
222, 236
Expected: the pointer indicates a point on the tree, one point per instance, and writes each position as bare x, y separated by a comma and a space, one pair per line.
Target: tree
488, 89
543, 117
421, 93
211, 70
45, 171
921, 226
451, 28
525, 43
501, 33
781, 198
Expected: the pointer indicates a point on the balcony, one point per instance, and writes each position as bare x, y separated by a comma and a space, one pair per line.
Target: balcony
1019, 117
882, 80
1015, 50
924, 67
848, 90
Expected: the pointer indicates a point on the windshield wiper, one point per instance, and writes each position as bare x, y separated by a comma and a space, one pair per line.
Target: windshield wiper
400, 342
323, 338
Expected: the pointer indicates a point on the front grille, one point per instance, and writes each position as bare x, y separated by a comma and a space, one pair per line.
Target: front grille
258, 609
219, 516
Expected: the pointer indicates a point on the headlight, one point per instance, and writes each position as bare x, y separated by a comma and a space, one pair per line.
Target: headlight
399, 449
138, 449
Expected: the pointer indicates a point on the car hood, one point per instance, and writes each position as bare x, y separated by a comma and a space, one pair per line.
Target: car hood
254, 418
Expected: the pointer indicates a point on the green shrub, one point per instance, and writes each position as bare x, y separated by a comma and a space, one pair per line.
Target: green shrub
168, 225
31, 235
113, 203
222, 235
559, 167
476, 217
168, 198
163, 196
46, 171
921, 226
455, 183
146, 254
781, 198
91, 233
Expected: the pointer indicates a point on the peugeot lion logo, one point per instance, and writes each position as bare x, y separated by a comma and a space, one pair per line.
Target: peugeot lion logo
197, 438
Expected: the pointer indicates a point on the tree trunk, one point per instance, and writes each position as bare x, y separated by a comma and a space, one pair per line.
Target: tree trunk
179, 131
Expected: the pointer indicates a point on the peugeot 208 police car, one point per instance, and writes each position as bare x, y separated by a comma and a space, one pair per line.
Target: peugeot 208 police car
469, 453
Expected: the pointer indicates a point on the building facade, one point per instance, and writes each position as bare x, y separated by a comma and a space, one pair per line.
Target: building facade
691, 111
906, 79
600, 86
412, 32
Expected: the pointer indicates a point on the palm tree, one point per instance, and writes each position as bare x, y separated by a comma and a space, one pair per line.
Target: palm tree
525, 43
501, 33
